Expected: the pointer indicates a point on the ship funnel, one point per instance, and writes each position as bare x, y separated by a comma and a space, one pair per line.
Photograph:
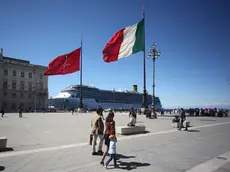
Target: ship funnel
1, 51
135, 88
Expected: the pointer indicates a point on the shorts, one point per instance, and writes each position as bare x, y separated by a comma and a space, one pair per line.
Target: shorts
107, 141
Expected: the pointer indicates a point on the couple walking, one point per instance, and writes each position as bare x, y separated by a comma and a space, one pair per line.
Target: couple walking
109, 136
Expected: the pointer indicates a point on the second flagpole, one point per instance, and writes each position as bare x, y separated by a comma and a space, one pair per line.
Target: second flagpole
81, 106
144, 103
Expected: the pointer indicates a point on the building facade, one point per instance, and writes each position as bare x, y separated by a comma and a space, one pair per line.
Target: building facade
22, 85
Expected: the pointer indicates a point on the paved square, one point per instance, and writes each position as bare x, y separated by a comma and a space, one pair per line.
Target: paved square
58, 142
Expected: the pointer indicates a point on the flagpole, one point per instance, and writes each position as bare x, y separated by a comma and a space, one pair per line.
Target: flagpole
144, 103
81, 107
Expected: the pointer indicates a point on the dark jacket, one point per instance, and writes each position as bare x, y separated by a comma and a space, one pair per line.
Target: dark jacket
133, 114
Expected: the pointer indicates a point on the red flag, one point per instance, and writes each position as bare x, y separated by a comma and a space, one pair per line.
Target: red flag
65, 64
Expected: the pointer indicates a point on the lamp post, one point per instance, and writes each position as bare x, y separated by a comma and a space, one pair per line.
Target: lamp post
154, 53
113, 100
50, 101
35, 92
35, 95
63, 103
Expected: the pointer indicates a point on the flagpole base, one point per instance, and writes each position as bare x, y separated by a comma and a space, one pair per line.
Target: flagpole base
81, 110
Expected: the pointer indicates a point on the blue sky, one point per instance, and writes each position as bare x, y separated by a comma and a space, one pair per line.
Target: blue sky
194, 38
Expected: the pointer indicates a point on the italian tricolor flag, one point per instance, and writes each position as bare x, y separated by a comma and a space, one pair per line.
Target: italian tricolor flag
125, 42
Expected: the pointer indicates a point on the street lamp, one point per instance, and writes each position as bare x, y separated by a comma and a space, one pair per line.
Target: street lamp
35, 94
113, 100
154, 53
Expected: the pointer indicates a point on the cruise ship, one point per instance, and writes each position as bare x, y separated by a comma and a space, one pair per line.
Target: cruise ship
94, 97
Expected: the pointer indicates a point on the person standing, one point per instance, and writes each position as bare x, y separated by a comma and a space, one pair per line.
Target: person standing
72, 110
112, 151
148, 113
109, 130
97, 131
182, 119
20, 111
3, 112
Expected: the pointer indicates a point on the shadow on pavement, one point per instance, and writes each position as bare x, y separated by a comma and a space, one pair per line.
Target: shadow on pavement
222, 158
6, 149
193, 131
145, 132
2, 168
120, 156
131, 165
207, 120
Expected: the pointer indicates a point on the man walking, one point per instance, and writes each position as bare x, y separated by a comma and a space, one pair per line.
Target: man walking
97, 131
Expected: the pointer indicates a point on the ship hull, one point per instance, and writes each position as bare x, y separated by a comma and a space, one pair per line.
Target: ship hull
94, 97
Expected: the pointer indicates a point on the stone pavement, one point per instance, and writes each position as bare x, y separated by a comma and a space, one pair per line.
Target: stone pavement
38, 130
224, 168
62, 144
218, 163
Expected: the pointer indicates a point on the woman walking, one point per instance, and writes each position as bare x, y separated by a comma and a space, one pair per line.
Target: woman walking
109, 130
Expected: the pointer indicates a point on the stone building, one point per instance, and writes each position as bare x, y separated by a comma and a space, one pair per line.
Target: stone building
22, 84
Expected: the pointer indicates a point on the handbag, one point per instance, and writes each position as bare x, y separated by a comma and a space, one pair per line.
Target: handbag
90, 139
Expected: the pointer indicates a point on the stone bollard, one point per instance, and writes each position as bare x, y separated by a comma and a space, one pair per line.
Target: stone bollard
3, 142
